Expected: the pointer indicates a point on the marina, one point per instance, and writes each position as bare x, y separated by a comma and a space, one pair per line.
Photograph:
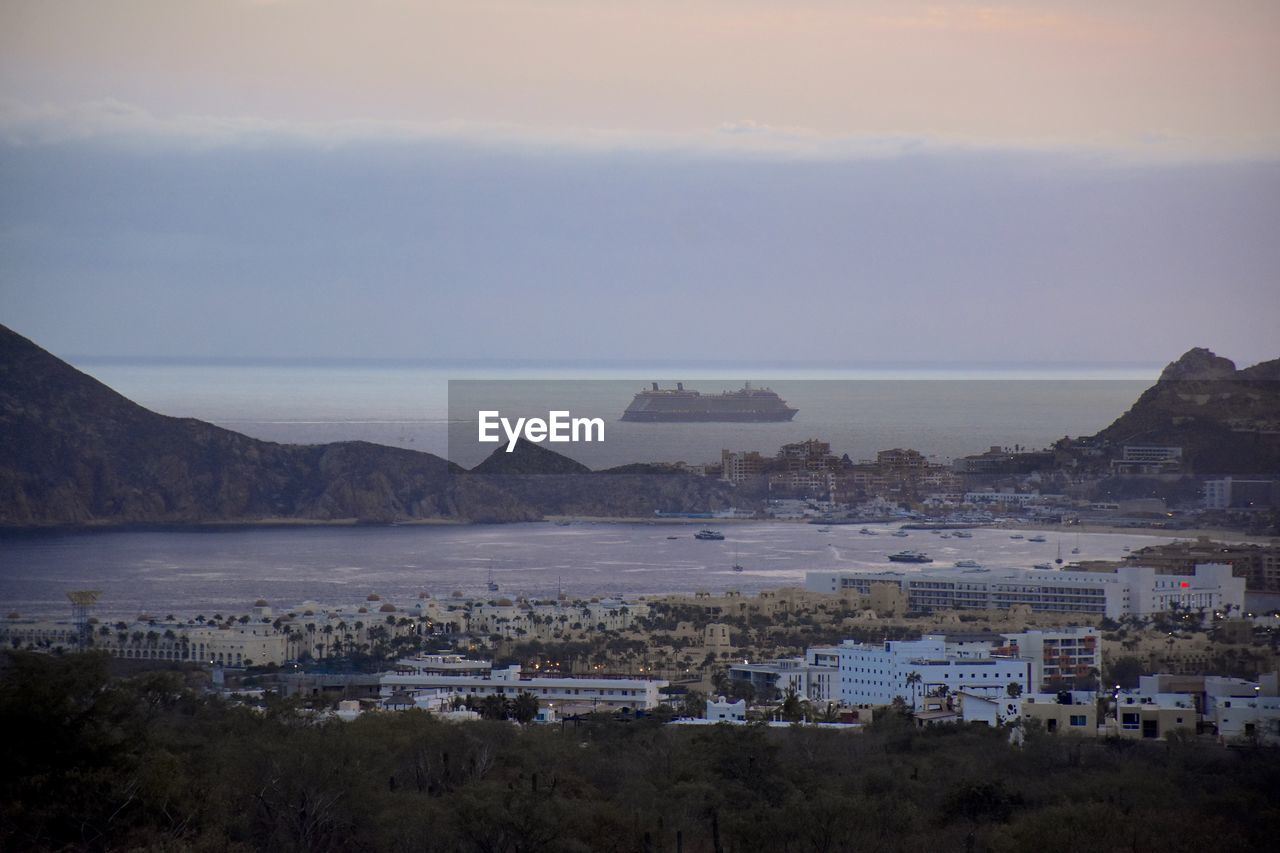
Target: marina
208, 570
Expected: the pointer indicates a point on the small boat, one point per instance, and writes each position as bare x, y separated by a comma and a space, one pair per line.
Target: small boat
1015, 536
673, 537
737, 568
910, 557
1043, 567
901, 534
968, 564
867, 532
824, 529
962, 534
707, 534
1037, 538
945, 536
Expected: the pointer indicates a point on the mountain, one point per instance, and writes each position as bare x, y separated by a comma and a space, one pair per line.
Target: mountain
528, 459
557, 485
1226, 420
74, 452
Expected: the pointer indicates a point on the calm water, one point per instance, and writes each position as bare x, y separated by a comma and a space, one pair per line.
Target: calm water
857, 411
208, 571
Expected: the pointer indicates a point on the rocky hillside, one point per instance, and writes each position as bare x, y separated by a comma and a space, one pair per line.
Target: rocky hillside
1226, 420
74, 452
560, 486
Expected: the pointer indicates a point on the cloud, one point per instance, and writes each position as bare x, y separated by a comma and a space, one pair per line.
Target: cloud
120, 123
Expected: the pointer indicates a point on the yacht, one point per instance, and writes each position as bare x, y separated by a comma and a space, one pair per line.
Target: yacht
1037, 538
968, 564
707, 534
901, 534
910, 557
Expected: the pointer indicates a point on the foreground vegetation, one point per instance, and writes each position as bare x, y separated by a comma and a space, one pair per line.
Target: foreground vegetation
147, 763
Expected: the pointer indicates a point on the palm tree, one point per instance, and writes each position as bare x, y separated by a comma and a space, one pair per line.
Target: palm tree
791, 708
913, 679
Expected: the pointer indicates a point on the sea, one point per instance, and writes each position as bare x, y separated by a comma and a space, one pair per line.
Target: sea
194, 572
944, 411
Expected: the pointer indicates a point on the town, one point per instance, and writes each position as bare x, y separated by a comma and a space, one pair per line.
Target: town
1075, 482
1159, 645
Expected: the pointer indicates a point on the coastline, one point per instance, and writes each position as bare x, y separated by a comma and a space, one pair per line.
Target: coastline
1213, 533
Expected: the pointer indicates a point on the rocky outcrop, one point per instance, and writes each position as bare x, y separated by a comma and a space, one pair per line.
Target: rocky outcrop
1226, 420
1199, 363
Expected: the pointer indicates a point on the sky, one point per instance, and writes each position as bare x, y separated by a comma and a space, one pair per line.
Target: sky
755, 180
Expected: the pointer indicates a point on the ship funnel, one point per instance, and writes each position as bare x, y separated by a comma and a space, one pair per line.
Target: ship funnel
679, 386
655, 386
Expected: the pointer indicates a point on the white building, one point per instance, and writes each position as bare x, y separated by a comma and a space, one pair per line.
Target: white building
812, 677
722, 710
1130, 590
414, 676
874, 674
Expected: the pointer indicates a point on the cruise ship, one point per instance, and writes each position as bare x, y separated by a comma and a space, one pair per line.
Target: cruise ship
680, 405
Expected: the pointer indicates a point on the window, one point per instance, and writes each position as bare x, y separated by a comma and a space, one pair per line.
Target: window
1077, 719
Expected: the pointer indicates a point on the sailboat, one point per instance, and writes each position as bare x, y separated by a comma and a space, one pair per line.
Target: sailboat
1059, 560
1076, 550
493, 585
737, 567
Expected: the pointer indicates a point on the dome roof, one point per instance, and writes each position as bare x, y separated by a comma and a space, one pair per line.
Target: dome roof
261, 602
373, 596
387, 608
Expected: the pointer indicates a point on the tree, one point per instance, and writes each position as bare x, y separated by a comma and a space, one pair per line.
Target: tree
694, 705
493, 708
1124, 671
792, 709
525, 707
1014, 690
914, 679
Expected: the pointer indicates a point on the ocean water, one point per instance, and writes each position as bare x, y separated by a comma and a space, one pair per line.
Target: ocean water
944, 412
206, 571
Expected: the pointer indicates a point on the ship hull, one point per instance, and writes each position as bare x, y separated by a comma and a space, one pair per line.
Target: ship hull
709, 417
